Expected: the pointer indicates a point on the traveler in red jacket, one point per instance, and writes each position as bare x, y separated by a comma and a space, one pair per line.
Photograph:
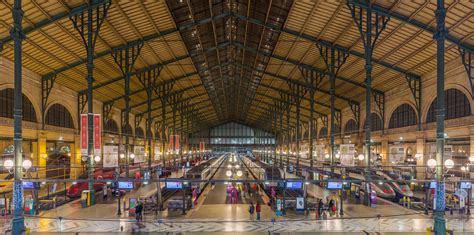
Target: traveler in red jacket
258, 209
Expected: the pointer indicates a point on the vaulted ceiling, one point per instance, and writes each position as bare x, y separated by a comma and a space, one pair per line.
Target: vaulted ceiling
234, 60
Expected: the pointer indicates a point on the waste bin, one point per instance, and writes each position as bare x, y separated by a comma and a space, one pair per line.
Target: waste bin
86, 198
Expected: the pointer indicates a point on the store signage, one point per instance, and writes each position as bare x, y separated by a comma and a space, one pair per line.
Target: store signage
84, 134
111, 156
97, 135
347, 154
139, 152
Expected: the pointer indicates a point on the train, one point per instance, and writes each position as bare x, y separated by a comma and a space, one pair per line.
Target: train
204, 171
401, 188
263, 172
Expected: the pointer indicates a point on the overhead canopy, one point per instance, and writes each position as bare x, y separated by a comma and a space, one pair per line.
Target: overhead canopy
234, 59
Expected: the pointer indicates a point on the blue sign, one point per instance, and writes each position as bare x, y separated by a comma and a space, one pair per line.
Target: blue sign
174, 185
466, 185
433, 184
125, 185
294, 185
334, 185
28, 185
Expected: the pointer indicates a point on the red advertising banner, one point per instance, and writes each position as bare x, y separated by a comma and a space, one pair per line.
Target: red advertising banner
84, 134
201, 146
170, 144
176, 146
97, 135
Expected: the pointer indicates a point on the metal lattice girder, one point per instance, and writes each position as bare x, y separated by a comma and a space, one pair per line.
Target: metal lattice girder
277, 99
409, 20
467, 58
106, 110
127, 57
355, 108
46, 88
319, 42
380, 102
138, 120
324, 120
140, 41
55, 18
415, 88
81, 103
299, 64
185, 99
165, 98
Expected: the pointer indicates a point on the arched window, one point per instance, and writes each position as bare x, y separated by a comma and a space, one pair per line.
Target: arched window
157, 135
139, 133
456, 105
111, 127
149, 134
403, 116
58, 115
323, 133
376, 122
305, 134
127, 130
337, 129
351, 127
6, 106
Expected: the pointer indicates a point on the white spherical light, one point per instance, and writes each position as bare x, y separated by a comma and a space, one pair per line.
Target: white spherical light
97, 158
122, 155
229, 166
27, 164
449, 163
8, 164
471, 158
326, 156
228, 173
239, 173
338, 156
361, 157
132, 156
431, 163
237, 166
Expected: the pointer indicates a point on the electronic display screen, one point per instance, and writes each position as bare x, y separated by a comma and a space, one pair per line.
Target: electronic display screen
294, 185
334, 185
466, 185
125, 185
432, 184
28, 185
174, 185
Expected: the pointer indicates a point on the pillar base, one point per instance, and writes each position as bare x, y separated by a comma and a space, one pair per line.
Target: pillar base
439, 223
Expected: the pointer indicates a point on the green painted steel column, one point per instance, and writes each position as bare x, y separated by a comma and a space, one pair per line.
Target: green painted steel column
440, 36
368, 95
18, 221
90, 106
332, 91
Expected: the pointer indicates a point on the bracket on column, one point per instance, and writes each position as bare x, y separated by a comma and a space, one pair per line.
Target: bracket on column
415, 87
82, 102
126, 57
149, 78
164, 89
380, 102
138, 120
355, 108
298, 92
381, 21
338, 118
333, 58
324, 120
80, 22
467, 58
46, 88
106, 110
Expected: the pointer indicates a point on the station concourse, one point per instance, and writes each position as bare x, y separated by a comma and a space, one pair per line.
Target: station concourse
236, 116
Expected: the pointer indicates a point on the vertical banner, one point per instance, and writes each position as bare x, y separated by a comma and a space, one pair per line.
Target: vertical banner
111, 155
396, 153
139, 152
97, 135
201, 146
347, 154
304, 150
176, 140
170, 143
84, 134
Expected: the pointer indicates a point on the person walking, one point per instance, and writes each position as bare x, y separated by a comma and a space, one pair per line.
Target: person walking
258, 208
251, 210
138, 212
